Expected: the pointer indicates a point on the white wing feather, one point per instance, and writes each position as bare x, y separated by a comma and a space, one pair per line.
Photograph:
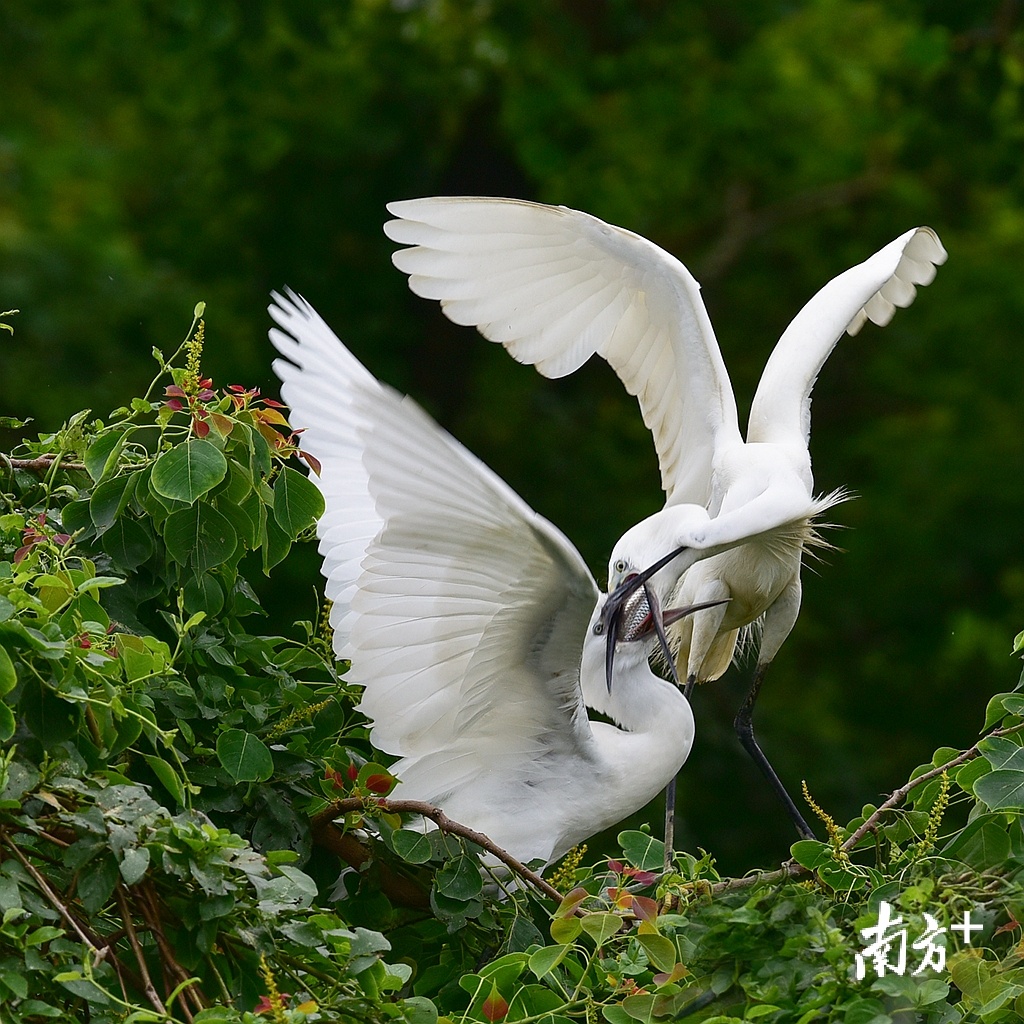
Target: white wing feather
462, 611
781, 410
555, 286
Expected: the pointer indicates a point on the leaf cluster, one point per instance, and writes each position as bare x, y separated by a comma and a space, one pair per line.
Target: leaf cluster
169, 843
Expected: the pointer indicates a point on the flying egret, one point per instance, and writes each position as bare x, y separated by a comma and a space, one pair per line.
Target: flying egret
555, 286
472, 623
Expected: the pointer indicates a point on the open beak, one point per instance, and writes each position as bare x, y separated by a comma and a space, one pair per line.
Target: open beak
632, 612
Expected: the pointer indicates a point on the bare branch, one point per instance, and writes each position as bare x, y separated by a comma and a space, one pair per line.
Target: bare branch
445, 824
791, 869
140, 957
40, 464
44, 888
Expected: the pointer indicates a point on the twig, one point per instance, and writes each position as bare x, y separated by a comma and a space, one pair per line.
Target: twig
899, 795
40, 464
791, 869
54, 899
445, 824
140, 958
151, 913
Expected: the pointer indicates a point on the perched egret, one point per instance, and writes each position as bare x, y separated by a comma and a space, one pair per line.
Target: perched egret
555, 286
471, 622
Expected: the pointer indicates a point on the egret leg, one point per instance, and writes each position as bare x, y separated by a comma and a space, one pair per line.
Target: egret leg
670, 822
670, 795
745, 731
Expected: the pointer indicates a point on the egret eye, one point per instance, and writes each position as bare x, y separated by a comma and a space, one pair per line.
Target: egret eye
620, 565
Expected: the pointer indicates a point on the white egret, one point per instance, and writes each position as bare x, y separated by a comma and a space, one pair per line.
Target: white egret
471, 622
555, 286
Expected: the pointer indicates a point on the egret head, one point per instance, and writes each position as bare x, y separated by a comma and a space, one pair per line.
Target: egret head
642, 549
633, 613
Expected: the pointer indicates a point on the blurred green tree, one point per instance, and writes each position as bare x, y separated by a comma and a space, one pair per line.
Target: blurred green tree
152, 155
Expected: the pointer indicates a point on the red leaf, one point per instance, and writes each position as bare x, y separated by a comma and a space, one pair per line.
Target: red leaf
352, 771
174, 403
313, 461
643, 877
617, 866
645, 908
494, 1007
237, 388
382, 784
200, 427
61, 538
273, 404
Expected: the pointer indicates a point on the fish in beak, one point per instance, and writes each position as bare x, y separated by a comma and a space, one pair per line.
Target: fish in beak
632, 612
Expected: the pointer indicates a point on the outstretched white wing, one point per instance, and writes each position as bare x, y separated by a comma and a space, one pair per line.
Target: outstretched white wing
555, 286
781, 410
462, 611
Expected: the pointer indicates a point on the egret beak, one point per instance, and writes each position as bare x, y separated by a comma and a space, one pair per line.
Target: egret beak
633, 610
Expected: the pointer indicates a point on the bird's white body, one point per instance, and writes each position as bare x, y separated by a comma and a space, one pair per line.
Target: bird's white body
555, 286
469, 619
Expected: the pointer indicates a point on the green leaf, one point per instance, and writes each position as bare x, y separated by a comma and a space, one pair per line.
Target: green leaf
189, 470
639, 1007
168, 777
199, 536
134, 863
128, 543
660, 950
298, 502
413, 847
244, 756
460, 879
601, 926
109, 499
984, 843
101, 456
811, 853
1001, 752
546, 959
1001, 788
8, 677
968, 774
7, 723
642, 851
417, 1009
566, 929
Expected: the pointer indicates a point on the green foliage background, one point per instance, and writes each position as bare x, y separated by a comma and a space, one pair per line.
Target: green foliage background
156, 153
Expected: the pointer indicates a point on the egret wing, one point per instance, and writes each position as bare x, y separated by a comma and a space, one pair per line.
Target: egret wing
781, 410
462, 611
555, 286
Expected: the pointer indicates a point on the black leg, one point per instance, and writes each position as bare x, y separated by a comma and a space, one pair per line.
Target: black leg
745, 731
691, 681
670, 796
670, 822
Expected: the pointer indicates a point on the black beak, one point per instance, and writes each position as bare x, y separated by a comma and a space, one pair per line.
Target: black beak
612, 614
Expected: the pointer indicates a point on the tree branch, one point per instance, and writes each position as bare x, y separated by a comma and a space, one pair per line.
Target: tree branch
140, 958
791, 869
40, 464
44, 888
445, 824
